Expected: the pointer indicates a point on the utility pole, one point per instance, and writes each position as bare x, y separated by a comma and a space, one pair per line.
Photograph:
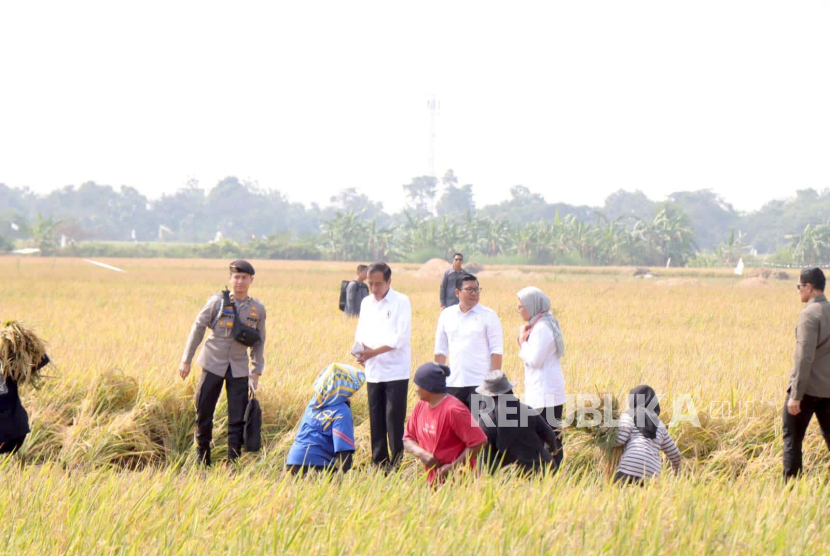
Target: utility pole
434, 108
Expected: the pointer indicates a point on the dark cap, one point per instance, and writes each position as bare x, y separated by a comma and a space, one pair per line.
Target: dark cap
242, 266
432, 377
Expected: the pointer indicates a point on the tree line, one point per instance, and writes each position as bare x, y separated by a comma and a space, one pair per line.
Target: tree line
691, 227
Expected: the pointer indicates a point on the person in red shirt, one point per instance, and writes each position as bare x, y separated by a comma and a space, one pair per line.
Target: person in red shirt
441, 431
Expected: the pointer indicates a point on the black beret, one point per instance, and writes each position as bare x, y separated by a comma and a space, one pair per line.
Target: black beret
242, 266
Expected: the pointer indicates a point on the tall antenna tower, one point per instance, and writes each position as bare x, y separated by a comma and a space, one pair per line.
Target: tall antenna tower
434, 108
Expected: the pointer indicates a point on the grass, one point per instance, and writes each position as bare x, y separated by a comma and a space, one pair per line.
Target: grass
110, 467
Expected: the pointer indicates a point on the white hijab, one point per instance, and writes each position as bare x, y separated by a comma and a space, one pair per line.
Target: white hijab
538, 305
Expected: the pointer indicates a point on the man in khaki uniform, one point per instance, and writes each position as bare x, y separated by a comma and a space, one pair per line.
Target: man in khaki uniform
225, 360
809, 388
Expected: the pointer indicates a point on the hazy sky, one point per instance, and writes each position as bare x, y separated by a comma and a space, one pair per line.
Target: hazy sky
572, 99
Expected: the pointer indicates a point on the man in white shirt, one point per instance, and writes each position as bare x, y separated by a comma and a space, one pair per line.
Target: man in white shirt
472, 335
384, 328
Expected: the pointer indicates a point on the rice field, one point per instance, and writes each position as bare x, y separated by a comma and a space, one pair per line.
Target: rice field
110, 467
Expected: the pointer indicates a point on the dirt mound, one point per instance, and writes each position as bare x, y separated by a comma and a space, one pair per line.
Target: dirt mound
756, 282
433, 269
473, 267
677, 282
764, 273
640, 272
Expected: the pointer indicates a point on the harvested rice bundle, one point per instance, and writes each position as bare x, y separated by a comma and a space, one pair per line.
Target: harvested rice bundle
22, 354
601, 432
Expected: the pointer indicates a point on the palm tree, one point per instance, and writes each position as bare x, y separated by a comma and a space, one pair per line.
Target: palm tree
495, 237
729, 251
812, 247
344, 237
528, 239
379, 246
607, 240
668, 235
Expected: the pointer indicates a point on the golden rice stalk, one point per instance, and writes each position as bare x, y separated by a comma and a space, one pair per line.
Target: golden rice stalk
22, 353
599, 433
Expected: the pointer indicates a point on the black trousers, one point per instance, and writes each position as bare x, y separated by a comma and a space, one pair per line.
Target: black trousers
210, 386
553, 416
387, 420
305, 470
795, 427
12, 445
626, 479
463, 393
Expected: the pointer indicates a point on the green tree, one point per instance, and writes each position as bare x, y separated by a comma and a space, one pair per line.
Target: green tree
456, 200
772, 227
710, 216
628, 204
812, 246
45, 233
379, 243
184, 212
421, 193
729, 251
347, 238
5, 244
526, 206
350, 200
494, 237
667, 235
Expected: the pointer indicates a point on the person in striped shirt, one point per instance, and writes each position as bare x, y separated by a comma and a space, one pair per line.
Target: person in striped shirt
643, 435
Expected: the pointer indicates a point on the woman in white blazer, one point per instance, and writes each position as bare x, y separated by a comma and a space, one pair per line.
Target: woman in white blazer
541, 348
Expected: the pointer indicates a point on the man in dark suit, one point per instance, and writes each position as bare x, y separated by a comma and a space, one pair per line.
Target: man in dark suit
446, 293
809, 388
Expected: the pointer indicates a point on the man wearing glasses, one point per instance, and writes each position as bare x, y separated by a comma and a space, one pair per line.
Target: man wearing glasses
472, 336
451, 275
809, 387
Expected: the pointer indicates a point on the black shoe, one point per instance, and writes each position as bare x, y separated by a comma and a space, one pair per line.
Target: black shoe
203, 457
234, 453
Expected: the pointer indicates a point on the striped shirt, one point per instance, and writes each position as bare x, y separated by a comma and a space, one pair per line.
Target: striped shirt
641, 455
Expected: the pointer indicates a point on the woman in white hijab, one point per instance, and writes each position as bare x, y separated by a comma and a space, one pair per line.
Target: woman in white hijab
542, 348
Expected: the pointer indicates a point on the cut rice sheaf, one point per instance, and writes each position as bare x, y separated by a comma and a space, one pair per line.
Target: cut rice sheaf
22, 353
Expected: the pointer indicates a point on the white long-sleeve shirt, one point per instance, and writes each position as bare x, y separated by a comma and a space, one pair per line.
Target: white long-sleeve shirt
387, 322
471, 339
544, 383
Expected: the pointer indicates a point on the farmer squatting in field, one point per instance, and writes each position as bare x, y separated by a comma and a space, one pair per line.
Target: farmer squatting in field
440, 432
325, 437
